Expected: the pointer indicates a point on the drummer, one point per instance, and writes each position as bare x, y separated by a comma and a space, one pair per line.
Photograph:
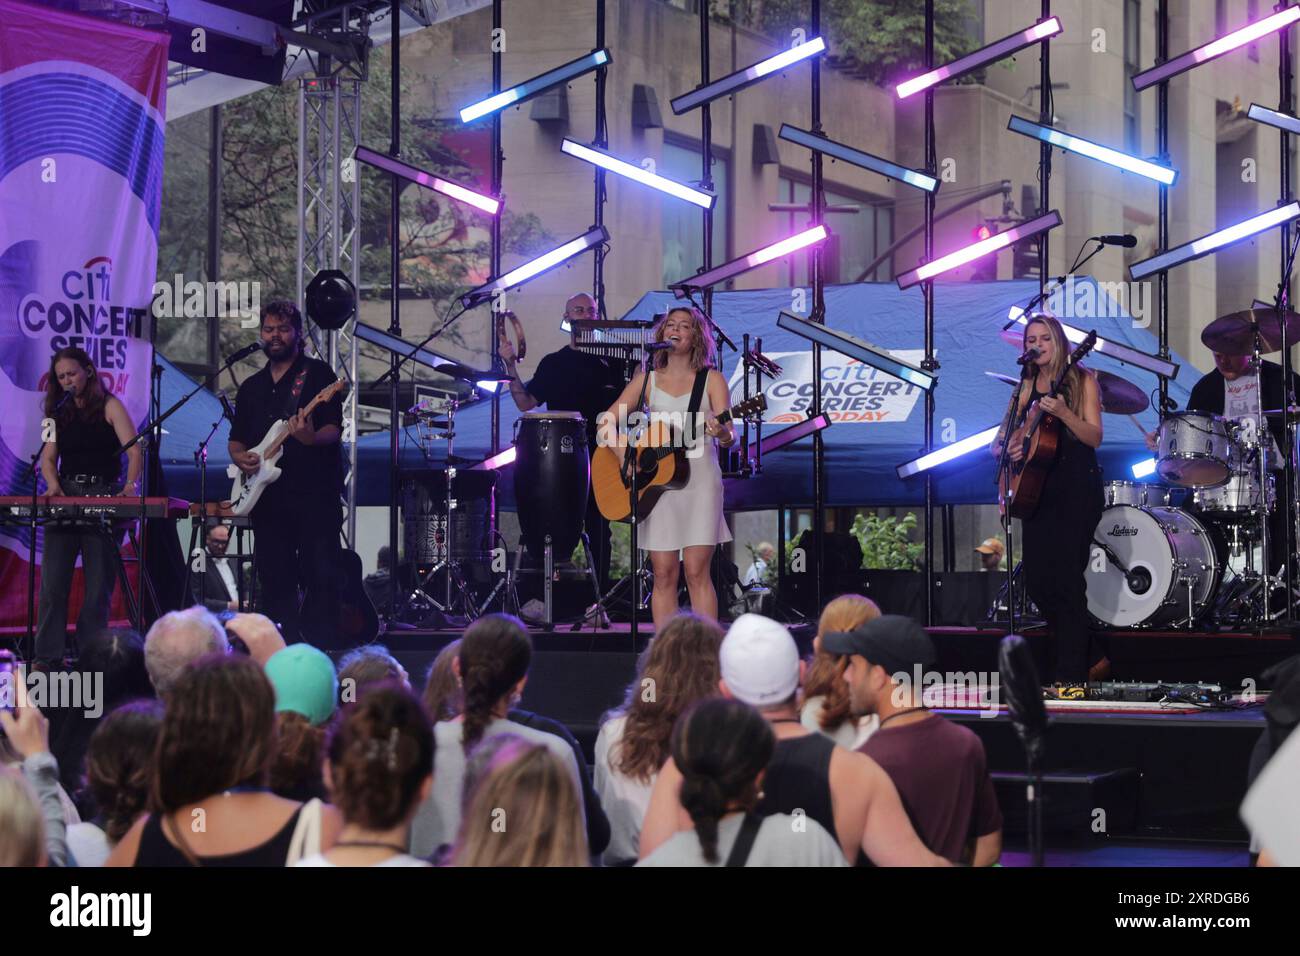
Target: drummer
1231, 391
570, 380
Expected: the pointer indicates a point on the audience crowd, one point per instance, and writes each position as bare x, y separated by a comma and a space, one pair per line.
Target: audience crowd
218, 745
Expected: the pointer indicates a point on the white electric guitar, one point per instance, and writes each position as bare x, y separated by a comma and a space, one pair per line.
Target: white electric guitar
248, 488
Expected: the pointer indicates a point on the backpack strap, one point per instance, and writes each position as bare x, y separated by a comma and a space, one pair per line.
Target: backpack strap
744, 840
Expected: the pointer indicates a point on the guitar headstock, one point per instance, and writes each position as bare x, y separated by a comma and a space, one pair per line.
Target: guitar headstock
753, 406
1084, 347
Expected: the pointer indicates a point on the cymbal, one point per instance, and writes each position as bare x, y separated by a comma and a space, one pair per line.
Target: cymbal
1233, 334
1119, 396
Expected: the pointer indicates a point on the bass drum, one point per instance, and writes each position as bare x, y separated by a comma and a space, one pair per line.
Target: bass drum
1168, 553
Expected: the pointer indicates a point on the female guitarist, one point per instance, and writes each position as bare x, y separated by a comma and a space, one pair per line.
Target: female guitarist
686, 520
1058, 535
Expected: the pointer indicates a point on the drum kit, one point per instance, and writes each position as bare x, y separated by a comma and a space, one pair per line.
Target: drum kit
1192, 549
1189, 550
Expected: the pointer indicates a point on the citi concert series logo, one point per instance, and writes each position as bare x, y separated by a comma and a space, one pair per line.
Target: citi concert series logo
84, 316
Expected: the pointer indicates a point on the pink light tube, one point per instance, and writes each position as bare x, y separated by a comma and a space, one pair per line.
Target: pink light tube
1225, 44
972, 252
973, 61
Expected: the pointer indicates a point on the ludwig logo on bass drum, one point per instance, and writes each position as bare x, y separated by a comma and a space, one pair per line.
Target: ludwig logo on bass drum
1122, 531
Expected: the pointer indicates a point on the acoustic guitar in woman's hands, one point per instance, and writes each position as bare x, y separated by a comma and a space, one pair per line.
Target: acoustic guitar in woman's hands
662, 463
1020, 486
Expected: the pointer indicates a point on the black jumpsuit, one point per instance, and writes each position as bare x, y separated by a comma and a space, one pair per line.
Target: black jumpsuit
1057, 546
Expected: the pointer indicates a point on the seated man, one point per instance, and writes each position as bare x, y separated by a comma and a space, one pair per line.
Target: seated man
938, 767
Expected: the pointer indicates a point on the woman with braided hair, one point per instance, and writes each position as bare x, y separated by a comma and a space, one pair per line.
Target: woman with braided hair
722, 748
491, 670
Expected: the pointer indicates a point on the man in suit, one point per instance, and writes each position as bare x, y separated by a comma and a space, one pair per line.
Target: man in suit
216, 588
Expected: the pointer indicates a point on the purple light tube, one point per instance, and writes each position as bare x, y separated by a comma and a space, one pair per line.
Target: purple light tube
428, 180
985, 55
952, 260
1225, 44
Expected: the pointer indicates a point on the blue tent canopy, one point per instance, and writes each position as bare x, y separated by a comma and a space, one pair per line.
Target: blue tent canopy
880, 421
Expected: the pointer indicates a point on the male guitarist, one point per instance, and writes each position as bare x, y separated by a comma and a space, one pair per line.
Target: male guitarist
296, 521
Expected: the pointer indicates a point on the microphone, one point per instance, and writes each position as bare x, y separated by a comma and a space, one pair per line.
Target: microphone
1127, 241
226, 409
1169, 405
1031, 354
658, 346
244, 353
63, 400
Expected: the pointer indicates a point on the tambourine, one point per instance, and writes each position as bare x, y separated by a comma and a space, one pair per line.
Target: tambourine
521, 342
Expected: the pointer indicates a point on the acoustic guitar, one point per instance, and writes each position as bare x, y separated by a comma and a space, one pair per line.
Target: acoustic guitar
1021, 484
661, 462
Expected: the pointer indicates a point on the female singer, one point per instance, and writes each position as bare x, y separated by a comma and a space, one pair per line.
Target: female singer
1058, 537
83, 458
685, 520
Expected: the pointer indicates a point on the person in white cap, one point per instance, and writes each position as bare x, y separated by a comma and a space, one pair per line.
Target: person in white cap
847, 793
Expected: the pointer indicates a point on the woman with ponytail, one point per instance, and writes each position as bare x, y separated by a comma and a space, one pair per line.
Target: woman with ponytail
722, 748
491, 670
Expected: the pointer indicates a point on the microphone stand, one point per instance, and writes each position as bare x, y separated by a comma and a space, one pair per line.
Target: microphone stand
31, 563
1059, 281
1288, 497
201, 462
630, 473
1004, 465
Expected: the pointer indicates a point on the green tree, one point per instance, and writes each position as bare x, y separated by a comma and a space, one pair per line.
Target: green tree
887, 542
441, 242
883, 39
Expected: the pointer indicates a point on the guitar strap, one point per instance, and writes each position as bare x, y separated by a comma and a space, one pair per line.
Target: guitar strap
692, 410
295, 391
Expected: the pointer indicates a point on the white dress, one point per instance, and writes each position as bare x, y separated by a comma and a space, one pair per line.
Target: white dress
691, 515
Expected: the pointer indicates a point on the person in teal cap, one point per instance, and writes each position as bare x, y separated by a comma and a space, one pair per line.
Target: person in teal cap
306, 695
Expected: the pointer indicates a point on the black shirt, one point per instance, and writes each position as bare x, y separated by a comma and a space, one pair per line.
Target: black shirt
89, 447
574, 381
1208, 396
305, 471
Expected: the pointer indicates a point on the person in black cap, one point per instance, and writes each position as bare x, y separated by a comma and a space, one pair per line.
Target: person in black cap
938, 767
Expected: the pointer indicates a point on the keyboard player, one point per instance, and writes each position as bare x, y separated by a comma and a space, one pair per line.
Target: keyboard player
84, 458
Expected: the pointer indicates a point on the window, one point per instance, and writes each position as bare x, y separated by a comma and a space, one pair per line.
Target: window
856, 238
1132, 57
683, 223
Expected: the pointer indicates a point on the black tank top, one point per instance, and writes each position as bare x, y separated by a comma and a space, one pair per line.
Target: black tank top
88, 448
799, 778
157, 850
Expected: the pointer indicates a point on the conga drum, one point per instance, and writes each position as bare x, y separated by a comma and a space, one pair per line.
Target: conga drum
552, 480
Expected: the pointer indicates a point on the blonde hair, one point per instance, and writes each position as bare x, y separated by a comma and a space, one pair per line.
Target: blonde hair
1072, 384
704, 351
524, 811
22, 829
845, 613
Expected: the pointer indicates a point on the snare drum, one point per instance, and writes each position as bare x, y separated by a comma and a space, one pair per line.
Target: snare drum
1195, 450
1138, 494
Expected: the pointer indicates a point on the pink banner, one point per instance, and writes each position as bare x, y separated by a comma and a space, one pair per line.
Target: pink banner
82, 123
